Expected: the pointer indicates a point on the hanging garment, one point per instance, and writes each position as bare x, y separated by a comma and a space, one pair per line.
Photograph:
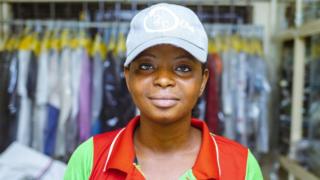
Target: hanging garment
24, 119
66, 101
40, 109
109, 119
126, 107
31, 90
227, 95
118, 106
240, 70
32, 77
84, 118
54, 77
97, 92
198, 111
13, 105
51, 130
54, 103
72, 122
212, 106
257, 103
5, 58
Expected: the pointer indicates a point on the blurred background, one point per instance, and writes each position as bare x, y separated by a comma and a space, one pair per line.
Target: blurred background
61, 80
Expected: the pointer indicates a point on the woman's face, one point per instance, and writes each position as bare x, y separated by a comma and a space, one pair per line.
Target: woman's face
165, 82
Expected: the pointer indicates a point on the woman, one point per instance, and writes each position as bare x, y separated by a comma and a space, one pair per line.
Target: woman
165, 73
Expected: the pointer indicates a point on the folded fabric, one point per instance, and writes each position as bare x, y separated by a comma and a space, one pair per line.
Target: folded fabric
21, 162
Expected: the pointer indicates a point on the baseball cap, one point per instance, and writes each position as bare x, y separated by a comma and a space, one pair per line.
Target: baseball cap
165, 23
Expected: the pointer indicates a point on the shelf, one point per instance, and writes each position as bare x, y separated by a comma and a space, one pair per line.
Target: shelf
296, 170
284, 35
307, 29
310, 28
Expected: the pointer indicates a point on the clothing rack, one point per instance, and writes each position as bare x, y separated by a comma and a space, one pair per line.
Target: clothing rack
213, 28
63, 23
241, 29
189, 2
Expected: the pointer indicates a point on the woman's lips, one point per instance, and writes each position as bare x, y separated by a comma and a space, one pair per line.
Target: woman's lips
164, 102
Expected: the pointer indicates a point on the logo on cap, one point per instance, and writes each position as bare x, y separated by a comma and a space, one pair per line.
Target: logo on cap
162, 19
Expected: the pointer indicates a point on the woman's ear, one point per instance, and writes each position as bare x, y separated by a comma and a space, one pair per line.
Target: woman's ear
205, 77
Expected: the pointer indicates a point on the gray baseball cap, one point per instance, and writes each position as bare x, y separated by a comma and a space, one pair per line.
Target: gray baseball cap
166, 24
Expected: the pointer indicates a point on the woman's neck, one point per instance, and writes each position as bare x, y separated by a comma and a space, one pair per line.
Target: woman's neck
159, 138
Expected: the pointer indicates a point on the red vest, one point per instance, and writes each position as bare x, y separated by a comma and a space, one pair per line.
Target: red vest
219, 158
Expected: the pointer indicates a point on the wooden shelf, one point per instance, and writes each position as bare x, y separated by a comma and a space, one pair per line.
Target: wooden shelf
284, 35
307, 29
296, 170
310, 28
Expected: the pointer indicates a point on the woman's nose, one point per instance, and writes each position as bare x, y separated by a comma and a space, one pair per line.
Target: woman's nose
164, 78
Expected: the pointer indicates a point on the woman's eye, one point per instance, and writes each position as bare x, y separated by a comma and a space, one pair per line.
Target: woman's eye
183, 68
145, 66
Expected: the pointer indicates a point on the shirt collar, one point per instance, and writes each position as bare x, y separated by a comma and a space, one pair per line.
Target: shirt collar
123, 154
206, 166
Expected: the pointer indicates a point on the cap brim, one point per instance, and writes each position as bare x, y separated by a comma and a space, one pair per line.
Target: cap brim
194, 50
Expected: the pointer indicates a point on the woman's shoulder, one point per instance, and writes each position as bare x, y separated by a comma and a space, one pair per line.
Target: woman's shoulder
87, 154
102, 142
237, 160
80, 163
230, 146
105, 138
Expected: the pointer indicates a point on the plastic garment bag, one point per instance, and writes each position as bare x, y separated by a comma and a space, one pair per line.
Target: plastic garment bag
24, 119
